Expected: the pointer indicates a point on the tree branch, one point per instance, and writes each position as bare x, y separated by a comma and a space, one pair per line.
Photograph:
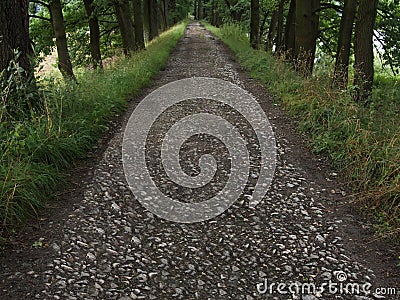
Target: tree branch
379, 39
326, 43
385, 13
329, 5
40, 2
108, 31
40, 17
75, 22
107, 21
328, 28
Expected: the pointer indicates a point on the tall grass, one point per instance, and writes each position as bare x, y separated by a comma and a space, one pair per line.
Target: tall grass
363, 142
34, 151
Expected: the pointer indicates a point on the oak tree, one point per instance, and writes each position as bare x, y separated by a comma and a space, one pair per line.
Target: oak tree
344, 43
94, 43
57, 20
254, 23
363, 49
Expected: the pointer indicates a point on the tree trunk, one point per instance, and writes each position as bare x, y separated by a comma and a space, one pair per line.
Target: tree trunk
123, 12
254, 23
262, 26
196, 12
146, 20
164, 14
94, 29
344, 43
153, 18
200, 9
14, 34
307, 26
279, 28
57, 19
290, 31
137, 15
363, 49
271, 32
233, 13
166, 11
172, 6
206, 7
214, 16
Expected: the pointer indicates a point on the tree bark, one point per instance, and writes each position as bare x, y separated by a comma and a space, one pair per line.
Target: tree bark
14, 35
254, 23
200, 9
172, 6
344, 43
94, 29
214, 16
290, 31
21, 97
146, 20
64, 60
123, 13
164, 14
152, 12
196, 13
363, 49
279, 27
306, 34
235, 15
262, 26
137, 15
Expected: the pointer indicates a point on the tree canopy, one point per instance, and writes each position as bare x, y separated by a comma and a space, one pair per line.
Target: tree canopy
350, 33
310, 31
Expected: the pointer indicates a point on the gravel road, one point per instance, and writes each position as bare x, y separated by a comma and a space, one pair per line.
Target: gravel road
108, 246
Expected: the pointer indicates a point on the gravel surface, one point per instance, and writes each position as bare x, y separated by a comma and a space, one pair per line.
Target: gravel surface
110, 247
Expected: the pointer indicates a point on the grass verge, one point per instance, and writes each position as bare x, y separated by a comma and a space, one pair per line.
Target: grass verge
363, 142
35, 151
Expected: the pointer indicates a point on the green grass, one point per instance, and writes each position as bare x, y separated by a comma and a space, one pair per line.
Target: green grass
35, 151
362, 142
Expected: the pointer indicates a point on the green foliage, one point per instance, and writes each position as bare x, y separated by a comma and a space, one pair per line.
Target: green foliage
235, 31
268, 5
34, 151
239, 11
41, 31
329, 29
388, 33
180, 11
77, 28
362, 142
18, 94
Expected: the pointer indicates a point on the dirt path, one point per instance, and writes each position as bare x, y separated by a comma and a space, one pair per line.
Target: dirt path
100, 243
